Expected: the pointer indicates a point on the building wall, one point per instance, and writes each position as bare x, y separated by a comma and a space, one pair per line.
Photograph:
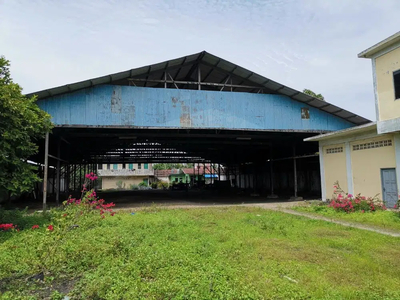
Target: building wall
367, 165
335, 167
389, 108
185, 178
163, 178
109, 105
358, 167
134, 166
111, 182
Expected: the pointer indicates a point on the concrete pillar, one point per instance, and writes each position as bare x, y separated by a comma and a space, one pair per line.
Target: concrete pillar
397, 155
349, 169
322, 174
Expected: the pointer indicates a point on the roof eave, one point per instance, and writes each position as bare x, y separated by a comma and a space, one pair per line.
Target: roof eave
341, 133
371, 51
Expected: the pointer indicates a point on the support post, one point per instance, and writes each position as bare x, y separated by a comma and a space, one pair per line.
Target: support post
295, 197
53, 186
46, 166
58, 172
199, 76
80, 177
68, 177
74, 177
271, 173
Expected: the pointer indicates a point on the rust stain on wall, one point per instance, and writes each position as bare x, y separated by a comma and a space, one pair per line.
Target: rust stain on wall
128, 116
116, 105
185, 120
174, 101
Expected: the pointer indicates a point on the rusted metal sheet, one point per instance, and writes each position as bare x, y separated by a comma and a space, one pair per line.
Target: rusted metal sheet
109, 105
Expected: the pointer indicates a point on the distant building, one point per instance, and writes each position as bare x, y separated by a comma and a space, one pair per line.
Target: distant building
125, 176
366, 159
162, 175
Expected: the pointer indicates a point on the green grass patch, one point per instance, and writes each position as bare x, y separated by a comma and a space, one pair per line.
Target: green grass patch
207, 253
385, 219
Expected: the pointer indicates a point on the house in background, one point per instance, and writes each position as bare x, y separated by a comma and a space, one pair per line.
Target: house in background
198, 175
124, 175
366, 159
162, 175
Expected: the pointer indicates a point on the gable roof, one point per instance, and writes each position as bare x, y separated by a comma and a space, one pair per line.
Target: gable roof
215, 73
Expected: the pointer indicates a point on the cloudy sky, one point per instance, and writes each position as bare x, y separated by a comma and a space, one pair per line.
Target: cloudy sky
303, 44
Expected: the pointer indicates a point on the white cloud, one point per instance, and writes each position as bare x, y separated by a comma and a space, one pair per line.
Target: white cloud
304, 44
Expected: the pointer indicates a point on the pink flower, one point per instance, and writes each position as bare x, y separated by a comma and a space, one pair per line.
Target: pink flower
7, 226
50, 228
35, 227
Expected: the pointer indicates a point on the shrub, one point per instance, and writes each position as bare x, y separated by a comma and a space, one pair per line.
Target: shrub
76, 214
120, 185
154, 185
162, 185
133, 187
143, 183
348, 203
22, 218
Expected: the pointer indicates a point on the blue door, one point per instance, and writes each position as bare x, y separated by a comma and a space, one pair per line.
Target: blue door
389, 187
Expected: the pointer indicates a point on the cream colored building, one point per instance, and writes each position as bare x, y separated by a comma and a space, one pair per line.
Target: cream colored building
366, 159
121, 176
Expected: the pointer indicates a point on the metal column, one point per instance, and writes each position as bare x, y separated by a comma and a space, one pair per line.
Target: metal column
271, 173
58, 172
46, 166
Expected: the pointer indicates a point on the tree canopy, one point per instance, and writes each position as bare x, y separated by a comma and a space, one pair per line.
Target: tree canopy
312, 94
169, 166
22, 123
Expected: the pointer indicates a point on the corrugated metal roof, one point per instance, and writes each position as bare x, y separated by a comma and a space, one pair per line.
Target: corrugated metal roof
214, 70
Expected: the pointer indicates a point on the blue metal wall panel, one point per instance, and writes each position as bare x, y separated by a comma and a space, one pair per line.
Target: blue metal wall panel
150, 107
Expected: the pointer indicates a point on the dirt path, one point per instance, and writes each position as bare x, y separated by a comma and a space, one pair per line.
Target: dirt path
344, 223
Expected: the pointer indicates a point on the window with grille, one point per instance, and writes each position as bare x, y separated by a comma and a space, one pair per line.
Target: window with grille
334, 150
372, 145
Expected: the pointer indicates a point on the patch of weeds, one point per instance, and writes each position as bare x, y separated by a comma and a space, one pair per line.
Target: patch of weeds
235, 253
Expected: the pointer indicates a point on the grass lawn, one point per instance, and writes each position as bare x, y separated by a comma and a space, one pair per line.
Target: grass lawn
385, 219
207, 253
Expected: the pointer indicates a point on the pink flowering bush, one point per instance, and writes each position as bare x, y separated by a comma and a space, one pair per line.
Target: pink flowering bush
7, 227
349, 203
75, 214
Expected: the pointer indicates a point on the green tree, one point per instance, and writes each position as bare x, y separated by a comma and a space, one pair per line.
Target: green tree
22, 123
312, 94
168, 166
